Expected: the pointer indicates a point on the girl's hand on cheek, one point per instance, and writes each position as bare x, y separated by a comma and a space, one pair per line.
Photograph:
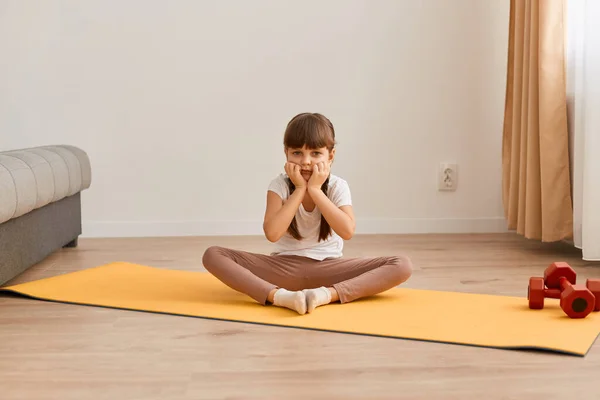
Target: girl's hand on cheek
320, 173
293, 171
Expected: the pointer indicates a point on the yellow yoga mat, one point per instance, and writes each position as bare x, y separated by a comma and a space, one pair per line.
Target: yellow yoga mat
448, 317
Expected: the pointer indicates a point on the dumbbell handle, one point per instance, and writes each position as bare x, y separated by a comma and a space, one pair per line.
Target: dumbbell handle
555, 293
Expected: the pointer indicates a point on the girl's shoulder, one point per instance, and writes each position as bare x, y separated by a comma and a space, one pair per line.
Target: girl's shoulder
279, 185
339, 191
338, 182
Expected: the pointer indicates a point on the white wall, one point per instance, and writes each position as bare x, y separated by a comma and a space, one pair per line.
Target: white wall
174, 101
583, 90
575, 51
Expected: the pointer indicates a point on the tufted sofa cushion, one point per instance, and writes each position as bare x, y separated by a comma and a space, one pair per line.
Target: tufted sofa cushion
34, 177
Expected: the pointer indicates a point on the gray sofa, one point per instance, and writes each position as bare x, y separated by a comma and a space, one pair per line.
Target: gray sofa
40, 204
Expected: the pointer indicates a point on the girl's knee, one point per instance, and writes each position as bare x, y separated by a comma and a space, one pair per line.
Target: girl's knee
403, 267
212, 253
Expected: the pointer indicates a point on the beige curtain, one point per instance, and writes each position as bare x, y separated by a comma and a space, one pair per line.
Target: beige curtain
535, 147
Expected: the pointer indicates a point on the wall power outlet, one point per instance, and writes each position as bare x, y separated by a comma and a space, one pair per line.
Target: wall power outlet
447, 177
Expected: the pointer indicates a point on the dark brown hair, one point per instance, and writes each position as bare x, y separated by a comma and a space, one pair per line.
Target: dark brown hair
314, 131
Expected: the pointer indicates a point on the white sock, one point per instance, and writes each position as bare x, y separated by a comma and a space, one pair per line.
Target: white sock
292, 300
317, 297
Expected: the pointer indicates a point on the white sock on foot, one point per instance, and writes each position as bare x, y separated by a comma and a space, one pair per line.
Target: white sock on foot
317, 297
292, 300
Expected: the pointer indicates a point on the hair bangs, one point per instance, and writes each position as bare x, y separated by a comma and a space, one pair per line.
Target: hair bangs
311, 130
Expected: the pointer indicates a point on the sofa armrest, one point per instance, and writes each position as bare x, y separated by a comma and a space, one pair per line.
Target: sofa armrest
34, 177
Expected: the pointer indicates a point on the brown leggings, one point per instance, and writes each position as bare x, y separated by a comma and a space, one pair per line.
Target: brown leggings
257, 274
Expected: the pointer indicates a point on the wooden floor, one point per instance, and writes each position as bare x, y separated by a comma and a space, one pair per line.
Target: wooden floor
59, 351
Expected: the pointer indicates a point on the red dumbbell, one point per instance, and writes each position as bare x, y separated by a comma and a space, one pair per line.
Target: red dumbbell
559, 282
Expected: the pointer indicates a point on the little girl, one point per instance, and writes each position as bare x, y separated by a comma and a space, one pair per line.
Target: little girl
308, 215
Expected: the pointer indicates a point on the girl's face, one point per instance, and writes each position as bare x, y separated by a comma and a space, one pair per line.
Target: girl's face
308, 158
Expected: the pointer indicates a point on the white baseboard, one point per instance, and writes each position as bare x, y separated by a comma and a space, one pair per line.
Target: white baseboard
431, 225
232, 228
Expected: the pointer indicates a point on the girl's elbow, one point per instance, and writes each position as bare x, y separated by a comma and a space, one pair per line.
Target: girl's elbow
271, 238
270, 235
349, 233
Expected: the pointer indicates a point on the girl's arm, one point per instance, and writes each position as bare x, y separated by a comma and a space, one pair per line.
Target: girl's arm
341, 219
279, 215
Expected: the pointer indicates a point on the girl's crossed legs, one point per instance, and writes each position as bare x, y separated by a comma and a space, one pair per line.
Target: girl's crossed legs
305, 283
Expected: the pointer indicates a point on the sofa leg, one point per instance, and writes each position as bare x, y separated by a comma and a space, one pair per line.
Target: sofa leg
72, 243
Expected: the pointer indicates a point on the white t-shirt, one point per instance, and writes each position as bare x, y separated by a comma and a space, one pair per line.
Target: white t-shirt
309, 223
